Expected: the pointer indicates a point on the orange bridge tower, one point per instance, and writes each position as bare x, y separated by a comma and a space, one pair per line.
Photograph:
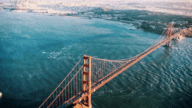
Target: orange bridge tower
169, 33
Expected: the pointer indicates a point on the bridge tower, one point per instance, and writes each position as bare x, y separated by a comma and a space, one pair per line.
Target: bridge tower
86, 83
169, 33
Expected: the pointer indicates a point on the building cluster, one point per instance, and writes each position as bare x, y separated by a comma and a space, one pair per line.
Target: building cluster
21, 1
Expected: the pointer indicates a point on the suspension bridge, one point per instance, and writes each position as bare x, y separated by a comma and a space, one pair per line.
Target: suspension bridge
91, 73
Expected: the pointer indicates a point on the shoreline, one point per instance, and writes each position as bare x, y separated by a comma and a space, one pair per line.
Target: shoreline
154, 22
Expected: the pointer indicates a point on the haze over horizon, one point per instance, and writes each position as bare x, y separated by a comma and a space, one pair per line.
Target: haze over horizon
3, 1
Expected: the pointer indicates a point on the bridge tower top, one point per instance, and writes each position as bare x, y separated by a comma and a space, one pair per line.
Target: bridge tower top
169, 30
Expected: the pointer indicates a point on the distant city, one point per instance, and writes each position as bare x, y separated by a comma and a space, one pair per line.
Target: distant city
149, 16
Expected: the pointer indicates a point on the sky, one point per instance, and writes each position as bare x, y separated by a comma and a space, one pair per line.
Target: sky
116, 0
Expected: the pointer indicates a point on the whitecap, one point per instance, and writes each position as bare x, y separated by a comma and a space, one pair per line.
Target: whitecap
181, 80
54, 54
43, 52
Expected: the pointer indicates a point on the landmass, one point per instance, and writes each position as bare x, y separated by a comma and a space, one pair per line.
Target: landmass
150, 17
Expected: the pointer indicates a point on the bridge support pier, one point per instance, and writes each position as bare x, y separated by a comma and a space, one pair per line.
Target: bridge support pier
179, 37
168, 44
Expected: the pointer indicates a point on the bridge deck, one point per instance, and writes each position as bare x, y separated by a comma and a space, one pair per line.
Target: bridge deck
119, 70
74, 95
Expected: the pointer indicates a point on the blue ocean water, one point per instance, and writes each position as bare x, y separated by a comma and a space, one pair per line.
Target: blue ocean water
38, 51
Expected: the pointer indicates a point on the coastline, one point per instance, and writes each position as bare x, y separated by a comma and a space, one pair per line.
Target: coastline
154, 22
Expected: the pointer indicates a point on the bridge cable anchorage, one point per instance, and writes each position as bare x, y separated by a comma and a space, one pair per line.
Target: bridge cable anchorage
91, 73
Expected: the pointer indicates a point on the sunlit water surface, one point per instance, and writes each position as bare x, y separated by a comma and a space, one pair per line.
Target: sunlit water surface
37, 52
